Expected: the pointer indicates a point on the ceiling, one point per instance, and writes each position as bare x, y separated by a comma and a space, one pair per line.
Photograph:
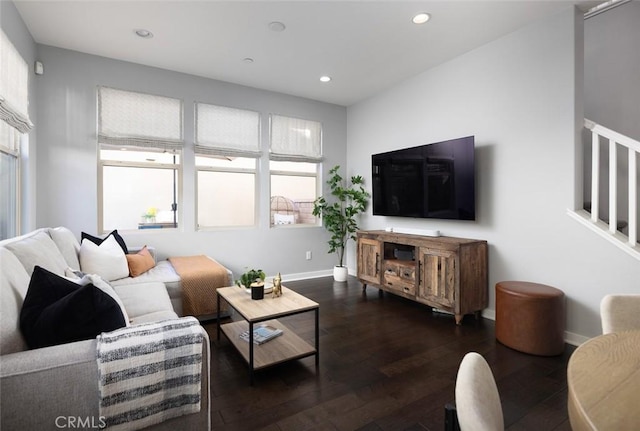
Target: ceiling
365, 47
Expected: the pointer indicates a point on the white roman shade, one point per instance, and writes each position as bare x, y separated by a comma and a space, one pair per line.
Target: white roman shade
130, 119
14, 87
227, 132
295, 140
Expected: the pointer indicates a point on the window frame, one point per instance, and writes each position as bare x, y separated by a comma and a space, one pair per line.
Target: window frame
256, 191
209, 149
13, 151
14, 113
316, 175
139, 143
144, 165
291, 157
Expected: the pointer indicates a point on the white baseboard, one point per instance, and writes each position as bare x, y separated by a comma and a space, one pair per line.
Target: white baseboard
569, 337
489, 314
574, 339
303, 275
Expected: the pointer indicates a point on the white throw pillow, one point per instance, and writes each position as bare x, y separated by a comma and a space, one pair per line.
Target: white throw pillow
107, 259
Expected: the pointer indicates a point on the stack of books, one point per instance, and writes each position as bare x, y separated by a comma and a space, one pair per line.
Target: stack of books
262, 334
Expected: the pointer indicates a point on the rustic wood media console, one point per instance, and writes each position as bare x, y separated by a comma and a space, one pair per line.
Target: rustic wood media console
446, 273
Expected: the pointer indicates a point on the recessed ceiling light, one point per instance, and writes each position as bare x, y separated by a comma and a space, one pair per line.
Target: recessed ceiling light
146, 34
247, 60
421, 18
325, 78
277, 26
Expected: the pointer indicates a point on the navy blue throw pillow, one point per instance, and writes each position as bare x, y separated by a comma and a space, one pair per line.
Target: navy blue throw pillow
97, 241
57, 311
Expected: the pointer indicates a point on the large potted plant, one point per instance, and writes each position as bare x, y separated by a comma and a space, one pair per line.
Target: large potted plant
339, 211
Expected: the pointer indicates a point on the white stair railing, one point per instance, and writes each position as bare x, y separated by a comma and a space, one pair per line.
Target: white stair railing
610, 229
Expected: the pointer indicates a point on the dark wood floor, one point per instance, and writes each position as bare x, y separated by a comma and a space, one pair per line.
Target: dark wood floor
385, 364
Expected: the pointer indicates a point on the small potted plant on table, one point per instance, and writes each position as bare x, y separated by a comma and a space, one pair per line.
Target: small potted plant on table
339, 216
254, 280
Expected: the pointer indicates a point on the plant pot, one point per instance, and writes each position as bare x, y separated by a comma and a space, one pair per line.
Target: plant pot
340, 273
257, 290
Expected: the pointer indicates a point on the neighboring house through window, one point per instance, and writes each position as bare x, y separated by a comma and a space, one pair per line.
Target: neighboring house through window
294, 163
14, 122
140, 138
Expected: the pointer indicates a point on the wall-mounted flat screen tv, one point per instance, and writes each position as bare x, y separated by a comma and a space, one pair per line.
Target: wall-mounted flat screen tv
429, 181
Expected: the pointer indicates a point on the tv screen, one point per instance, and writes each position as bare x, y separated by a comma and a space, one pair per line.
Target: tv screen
429, 181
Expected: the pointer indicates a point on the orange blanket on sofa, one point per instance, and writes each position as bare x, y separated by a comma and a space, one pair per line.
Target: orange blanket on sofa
200, 276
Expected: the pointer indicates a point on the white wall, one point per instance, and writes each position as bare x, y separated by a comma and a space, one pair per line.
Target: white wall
15, 29
612, 69
67, 154
518, 96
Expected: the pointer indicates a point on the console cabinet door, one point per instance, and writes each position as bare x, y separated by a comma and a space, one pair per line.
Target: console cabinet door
369, 252
438, 277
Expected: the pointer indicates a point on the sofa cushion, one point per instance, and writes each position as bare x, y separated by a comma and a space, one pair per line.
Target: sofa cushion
67, 244
107, 259
163, 272
57, 310
140, 262
38, 249
154, 317
144, 298
14, 281
97, 240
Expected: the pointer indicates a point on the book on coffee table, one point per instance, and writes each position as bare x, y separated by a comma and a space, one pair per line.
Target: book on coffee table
262, 334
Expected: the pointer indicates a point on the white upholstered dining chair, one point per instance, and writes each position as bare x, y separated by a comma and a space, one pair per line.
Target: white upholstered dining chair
477, 399
620, 312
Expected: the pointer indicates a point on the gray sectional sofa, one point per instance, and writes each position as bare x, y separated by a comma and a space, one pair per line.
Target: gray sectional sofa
45, 388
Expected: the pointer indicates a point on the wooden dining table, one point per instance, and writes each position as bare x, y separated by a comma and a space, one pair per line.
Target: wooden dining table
603, 377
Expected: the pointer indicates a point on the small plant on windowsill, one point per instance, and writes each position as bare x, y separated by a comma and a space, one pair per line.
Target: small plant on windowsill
339, 216
150, 215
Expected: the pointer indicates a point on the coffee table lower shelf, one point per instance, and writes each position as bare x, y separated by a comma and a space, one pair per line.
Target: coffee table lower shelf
286, 347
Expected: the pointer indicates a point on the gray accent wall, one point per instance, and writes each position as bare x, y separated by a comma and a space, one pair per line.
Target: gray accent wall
521, 97
67, 151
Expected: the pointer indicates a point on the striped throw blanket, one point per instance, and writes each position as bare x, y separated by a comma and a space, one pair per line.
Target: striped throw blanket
149, 373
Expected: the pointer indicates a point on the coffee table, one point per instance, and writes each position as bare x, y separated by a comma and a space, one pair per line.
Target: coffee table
286, 347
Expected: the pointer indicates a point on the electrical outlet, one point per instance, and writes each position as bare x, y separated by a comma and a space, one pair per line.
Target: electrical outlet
308, 255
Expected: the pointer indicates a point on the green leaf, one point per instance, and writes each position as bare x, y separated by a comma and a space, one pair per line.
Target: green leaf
339, 217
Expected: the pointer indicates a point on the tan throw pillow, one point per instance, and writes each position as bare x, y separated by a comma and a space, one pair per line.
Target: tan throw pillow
140, 262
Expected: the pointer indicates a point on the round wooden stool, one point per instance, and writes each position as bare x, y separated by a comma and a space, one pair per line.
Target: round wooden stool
530, 317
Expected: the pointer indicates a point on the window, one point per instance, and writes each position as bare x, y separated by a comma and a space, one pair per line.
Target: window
227, 149
295, 156
140, 140
9, 181
14, 120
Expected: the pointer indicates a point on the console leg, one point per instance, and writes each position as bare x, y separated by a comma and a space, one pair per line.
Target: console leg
364, 286
459, 319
